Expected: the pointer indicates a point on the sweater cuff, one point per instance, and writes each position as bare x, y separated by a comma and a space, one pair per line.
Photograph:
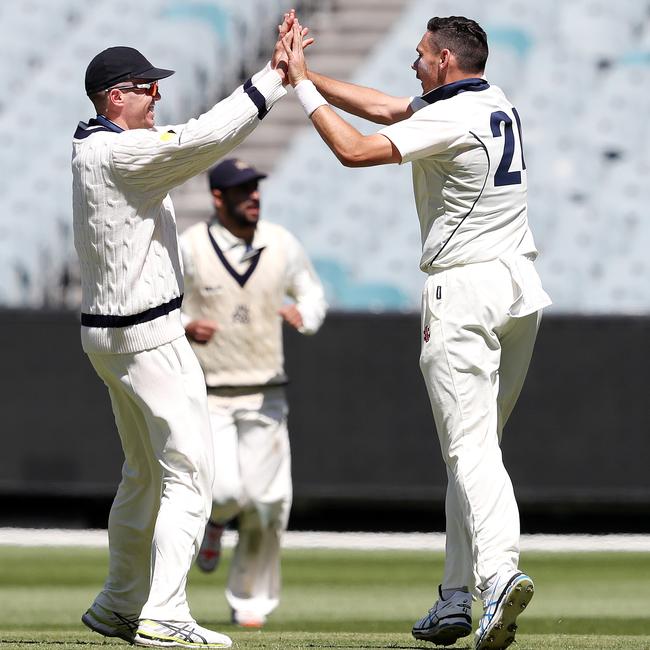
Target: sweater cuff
256, 77
266, 90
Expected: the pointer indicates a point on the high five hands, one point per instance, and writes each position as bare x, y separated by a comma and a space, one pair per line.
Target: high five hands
289, 31
294, 47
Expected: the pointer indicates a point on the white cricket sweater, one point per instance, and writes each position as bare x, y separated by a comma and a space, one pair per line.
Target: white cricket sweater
244, 298
124, 223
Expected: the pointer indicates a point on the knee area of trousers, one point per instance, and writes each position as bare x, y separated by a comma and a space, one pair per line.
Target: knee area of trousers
228, 507
263, 516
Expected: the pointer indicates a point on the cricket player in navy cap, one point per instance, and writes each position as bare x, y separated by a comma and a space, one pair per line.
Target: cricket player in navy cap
132, 288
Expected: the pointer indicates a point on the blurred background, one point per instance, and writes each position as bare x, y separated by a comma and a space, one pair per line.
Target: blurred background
365, 452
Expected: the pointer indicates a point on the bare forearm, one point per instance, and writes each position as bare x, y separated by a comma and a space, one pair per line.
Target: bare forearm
351, 147
364, 102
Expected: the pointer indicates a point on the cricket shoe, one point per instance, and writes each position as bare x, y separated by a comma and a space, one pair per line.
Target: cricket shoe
503, 601
188, 634
210, 552
248, 619
447, 621
108, 623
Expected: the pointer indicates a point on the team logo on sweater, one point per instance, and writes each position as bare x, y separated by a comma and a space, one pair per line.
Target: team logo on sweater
241, 315
427, 333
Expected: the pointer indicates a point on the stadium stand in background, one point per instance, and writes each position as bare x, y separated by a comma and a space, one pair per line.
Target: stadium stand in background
44, 50
577, 70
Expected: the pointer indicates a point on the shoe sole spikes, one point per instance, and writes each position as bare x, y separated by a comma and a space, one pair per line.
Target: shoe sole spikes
501, 632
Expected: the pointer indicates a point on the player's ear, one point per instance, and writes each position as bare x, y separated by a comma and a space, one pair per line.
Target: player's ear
445, 56
115, 97
217, 199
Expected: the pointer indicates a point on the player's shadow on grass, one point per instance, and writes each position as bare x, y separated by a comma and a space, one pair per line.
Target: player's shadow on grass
428, 646
49, 642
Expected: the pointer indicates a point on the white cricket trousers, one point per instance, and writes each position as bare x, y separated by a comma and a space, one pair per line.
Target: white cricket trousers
162, 503
252, 482
474, 359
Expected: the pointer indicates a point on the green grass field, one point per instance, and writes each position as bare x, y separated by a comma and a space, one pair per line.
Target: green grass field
340, 599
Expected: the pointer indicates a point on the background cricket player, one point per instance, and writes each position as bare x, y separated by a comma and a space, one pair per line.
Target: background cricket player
482, 299
239, 273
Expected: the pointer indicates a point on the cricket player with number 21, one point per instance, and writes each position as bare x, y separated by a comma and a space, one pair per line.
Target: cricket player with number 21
482, 299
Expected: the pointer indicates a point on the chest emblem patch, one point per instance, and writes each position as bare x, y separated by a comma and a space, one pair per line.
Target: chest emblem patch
241, 315
427, 333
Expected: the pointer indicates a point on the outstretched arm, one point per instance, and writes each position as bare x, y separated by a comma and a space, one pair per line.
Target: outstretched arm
350, 146
365, 102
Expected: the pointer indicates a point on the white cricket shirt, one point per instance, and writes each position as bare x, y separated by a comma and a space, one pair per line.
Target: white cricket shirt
469, 176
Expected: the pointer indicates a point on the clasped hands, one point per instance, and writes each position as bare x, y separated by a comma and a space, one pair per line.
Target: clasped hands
288, 56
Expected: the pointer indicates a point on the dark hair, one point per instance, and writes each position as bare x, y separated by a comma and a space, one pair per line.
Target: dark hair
464, 38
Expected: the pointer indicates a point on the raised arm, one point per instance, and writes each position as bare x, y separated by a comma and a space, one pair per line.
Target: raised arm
350, 146
365, 102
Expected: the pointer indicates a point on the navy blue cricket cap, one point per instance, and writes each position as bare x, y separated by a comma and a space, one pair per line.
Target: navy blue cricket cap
120, 63
232, 172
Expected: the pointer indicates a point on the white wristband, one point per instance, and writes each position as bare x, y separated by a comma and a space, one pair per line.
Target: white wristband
308, 96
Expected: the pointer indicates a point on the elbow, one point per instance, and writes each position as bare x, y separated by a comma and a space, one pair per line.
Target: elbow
346, 162
389, 113
377, 112
352, 149
384, 117
352, 158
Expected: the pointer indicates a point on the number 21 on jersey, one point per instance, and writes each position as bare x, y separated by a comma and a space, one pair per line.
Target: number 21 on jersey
504, 175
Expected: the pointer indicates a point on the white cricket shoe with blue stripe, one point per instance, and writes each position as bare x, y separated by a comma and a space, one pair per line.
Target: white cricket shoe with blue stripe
503, 601
447, 621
